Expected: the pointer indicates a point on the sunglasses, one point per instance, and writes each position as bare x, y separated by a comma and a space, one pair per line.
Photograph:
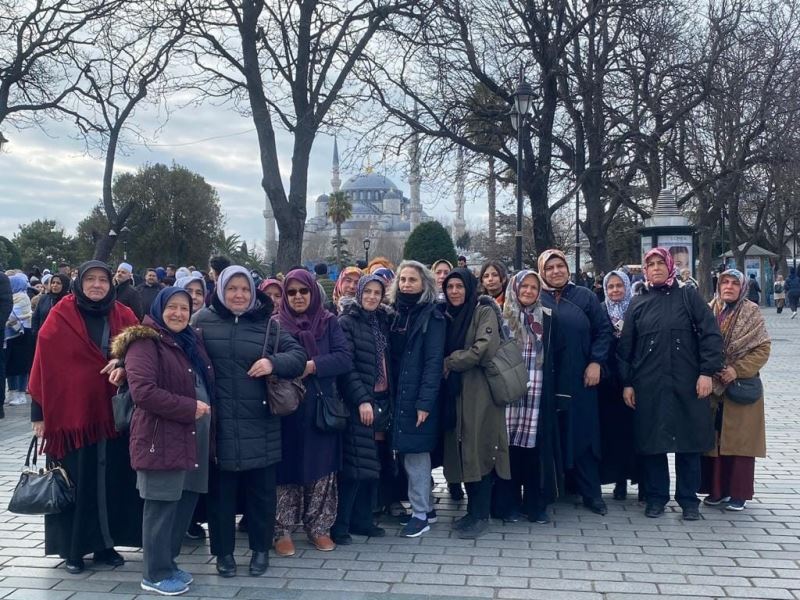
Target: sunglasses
302, 291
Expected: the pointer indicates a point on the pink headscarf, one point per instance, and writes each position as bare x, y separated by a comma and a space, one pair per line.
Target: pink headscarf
667, 258
309, 326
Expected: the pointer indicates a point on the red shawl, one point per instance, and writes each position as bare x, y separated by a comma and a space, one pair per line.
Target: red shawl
65, 379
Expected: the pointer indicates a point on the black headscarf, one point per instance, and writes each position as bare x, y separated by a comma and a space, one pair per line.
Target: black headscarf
86, 304
65, 283
459, 318
186, 339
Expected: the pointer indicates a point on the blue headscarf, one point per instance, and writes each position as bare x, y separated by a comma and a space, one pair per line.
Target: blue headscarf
19, 283
186, 339
617, 310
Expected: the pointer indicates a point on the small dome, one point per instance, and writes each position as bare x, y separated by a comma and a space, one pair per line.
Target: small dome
323, 198
394, 194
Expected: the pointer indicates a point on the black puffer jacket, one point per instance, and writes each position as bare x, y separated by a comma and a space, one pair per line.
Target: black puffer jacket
248, 436
361, 460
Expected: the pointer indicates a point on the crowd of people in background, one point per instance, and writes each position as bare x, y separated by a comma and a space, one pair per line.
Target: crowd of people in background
620, 370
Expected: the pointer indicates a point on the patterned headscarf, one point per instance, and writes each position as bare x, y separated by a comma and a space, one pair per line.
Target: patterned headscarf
372, 319
542, 261
616, 310
668, 260
525, 321
724, 311
338, 294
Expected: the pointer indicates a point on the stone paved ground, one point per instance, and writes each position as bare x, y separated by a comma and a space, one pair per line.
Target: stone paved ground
579, 556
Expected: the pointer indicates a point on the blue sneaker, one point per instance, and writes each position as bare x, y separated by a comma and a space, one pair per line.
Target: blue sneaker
406, 518
182, 575
167, 587
415, 528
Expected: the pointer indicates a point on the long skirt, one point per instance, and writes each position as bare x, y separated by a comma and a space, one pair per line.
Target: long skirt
107, 510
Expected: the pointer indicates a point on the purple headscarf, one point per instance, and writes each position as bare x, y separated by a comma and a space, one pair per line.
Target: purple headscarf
311, 325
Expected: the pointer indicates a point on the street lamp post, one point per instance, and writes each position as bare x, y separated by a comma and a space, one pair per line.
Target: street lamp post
124, 237
367, 244
523, 99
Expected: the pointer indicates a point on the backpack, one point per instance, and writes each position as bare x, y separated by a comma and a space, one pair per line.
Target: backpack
778, 287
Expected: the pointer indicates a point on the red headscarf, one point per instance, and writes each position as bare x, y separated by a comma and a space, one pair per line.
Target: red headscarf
667, 258
309, 326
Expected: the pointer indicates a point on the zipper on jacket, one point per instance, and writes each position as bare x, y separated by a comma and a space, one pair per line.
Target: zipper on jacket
153, 442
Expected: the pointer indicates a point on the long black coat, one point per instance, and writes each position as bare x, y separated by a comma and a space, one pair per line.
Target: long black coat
669, 339
247, 435
416, 377
361, 460
127, 295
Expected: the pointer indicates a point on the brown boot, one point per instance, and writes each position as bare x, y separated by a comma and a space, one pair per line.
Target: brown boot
323, 543
284, 546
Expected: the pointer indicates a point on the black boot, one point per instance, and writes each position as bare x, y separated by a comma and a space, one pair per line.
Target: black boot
259, 563
226, 566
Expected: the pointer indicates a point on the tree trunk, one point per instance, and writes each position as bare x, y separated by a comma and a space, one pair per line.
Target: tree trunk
339, 244
491, 192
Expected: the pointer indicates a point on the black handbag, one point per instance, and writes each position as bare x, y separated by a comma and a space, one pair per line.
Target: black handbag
382, 412
47, 491
332, 413
122, 406
745, 391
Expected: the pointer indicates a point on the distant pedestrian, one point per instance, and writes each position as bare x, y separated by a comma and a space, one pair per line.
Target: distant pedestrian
779, 293
753, 289
792, 288
126, 293
324, 279
149, 288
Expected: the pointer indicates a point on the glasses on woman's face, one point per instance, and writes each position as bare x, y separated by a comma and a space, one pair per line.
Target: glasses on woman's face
294, 291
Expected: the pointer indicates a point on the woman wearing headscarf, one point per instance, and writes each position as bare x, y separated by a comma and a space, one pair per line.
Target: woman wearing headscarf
344, 292
416, 342
247, 435
379, 262
669, 350
71, 411
475, 439
537, 474
171, 380
365, 389
195, 286
441, 269
58, 289
617, 456
274, 289
728, 470
20, 347
587, 335
494, 279
311, 457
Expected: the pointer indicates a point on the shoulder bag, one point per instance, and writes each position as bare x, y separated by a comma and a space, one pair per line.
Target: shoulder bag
506, 371
122, 406
745, 391
47, 491
283, 395
14, 327
332, 413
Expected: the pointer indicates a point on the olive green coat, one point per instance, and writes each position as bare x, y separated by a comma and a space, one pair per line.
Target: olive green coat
743, 429
479, 442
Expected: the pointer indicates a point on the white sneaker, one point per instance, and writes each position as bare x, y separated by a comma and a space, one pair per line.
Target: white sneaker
16, 398
794, 314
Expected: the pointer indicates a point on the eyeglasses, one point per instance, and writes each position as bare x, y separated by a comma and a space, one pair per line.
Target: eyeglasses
302, 291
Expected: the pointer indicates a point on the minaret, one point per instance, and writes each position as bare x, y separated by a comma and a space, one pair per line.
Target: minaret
459, 225
271, 246
336, 183
415, 210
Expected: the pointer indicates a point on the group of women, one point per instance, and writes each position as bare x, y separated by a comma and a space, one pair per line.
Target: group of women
406, 355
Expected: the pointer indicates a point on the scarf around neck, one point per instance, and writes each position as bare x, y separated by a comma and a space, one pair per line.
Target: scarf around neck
310, 326
525, 322
616, 310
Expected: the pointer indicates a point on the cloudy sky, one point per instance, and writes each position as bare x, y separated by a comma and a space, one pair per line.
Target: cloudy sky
48, 175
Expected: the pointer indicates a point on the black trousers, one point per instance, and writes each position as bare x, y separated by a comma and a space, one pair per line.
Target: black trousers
521, 493
2, 375
479, 496
586, 475
687, 478
163, 527
354, 510
260, 504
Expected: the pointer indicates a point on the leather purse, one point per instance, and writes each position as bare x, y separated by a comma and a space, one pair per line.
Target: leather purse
745, 391
122, 407
283, 395
47, 491
332, 413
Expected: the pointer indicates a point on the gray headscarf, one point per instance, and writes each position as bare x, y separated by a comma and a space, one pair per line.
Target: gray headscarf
225, 277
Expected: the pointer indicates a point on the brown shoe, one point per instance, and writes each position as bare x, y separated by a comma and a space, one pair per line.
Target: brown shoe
284, 546
323, 543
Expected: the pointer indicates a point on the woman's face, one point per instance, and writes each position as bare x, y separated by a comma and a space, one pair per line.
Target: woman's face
55, 286
410, 281
441, 271
371, 296
491, 281
729, 288
556, 273
615, 290
456, 292
349, 285
197, 292
238, 294
275, 294
176, 313
656, 270
299, 296
96, 284
528, 290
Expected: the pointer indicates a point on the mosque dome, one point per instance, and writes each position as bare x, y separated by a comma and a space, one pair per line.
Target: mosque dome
368, 181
